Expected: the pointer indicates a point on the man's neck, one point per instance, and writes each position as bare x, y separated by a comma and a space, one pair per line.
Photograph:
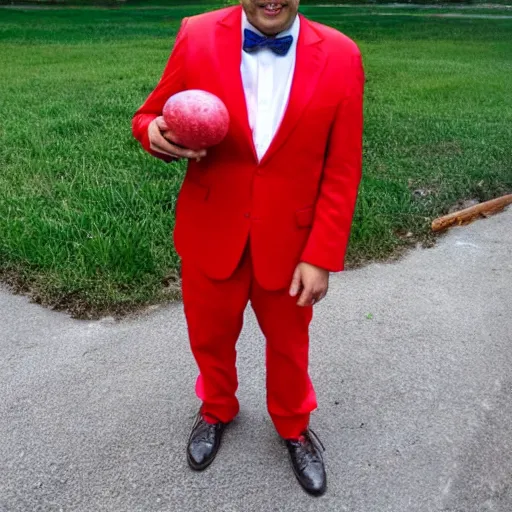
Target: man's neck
283, 32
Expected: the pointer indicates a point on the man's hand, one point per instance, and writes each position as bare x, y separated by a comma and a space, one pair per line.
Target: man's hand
160, 138
312, 281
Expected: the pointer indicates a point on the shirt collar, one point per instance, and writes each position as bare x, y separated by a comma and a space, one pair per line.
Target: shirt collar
292, 31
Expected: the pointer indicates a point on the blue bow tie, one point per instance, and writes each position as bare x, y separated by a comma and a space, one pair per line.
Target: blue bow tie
279, 45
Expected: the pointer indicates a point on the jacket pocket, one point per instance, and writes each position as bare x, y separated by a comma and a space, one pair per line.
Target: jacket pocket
304, 217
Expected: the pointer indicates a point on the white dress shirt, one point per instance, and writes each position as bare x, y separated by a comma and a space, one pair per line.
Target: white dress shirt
267, 80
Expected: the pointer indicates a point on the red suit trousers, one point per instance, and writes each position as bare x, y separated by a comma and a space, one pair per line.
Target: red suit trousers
214, 311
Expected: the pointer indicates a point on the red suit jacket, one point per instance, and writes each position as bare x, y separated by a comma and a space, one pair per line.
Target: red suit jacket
297, 203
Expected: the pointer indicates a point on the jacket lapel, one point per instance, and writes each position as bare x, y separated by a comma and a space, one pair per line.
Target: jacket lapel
308, 68
229, 54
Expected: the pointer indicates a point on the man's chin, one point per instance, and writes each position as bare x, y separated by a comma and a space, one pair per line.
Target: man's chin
271, 27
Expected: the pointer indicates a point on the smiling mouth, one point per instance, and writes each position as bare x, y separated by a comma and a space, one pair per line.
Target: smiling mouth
272, 9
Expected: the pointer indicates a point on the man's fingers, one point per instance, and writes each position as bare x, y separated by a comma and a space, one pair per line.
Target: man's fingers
295, 285
318, 297
162, 145
310, 297
160, 139
157, 141
162, 125
314, 282
306, 298
160, 149
186, 153
183, 152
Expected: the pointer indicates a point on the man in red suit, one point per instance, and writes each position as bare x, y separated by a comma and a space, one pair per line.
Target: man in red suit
264, 216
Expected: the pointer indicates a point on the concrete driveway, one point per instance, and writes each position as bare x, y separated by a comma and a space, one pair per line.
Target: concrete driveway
412, 362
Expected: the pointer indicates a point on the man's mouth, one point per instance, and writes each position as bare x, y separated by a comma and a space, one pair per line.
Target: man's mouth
272, 9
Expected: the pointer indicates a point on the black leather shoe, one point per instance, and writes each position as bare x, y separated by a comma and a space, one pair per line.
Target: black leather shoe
307, 462
204, 443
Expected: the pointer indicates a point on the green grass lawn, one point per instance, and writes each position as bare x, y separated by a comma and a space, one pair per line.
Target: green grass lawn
86, 217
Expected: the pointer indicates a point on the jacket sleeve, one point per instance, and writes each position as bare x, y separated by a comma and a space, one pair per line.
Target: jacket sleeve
171, 82
330, 232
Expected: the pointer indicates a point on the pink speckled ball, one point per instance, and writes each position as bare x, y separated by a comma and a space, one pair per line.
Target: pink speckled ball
197, 119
